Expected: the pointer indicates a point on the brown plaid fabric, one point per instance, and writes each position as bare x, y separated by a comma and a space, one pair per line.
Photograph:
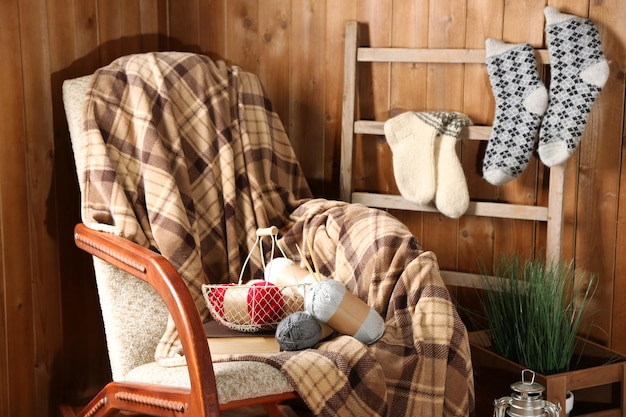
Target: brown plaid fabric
424, 352
186, 156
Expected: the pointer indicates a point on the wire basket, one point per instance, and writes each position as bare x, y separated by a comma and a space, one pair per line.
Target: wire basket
256, 305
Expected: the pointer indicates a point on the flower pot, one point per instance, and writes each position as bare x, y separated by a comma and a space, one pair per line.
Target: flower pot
600, 370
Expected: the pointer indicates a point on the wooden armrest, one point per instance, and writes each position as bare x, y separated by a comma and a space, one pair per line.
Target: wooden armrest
153, 268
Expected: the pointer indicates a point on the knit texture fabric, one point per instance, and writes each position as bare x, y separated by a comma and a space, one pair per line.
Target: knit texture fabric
521, 101
451, 195
411, 137
579, 71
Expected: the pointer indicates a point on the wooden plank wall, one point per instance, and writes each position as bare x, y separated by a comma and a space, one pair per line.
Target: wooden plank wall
51, 339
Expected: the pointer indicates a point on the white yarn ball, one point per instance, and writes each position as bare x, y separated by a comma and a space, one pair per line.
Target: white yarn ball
278, 270
284, 272
323, 298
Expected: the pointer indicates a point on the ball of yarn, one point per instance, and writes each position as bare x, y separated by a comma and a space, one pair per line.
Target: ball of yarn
330, 302
216, 300
265, 303
283, 271
256, 303
298, 331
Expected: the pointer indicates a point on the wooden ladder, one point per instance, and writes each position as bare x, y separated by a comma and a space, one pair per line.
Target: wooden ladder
552, 214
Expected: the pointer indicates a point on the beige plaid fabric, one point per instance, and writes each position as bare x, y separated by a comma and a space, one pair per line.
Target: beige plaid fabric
424, 353
187, 157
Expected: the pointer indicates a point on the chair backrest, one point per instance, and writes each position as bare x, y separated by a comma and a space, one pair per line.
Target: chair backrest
134, 315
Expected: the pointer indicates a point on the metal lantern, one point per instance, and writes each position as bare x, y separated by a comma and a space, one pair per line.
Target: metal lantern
526, 400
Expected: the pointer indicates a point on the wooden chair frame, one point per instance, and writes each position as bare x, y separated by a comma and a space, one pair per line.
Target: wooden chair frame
157, 400
355, 54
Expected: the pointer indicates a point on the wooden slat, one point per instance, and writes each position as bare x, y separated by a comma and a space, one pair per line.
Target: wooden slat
555, 214
371, 127
476, 208
348, 109
342, 11
434, 55
463, 279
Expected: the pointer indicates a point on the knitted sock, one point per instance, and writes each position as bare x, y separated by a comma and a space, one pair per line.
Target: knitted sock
579, 71
411, 137
521, 100
451, 196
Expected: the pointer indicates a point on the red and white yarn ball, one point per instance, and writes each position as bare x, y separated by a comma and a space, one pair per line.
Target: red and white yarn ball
265, 303
216, 300
256, 303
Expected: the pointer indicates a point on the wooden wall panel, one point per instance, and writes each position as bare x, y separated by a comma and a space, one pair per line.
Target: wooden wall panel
444, 92
599, 174
376, 174
523, 22
275, 31
306, 97
336, 16
184, 25
407, 83
618, 335
476, 234
51, 339
73, 36
242, 27
213, 33
17, 339
39, 164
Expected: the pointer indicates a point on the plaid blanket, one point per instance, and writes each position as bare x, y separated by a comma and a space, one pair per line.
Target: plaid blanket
187, 157
424, 352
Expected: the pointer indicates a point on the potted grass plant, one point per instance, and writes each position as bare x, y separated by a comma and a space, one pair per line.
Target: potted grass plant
535, 313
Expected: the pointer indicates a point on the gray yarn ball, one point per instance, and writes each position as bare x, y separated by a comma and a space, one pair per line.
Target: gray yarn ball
298, 331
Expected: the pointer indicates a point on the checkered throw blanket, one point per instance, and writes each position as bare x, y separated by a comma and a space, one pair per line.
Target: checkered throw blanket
424, 352
187, 157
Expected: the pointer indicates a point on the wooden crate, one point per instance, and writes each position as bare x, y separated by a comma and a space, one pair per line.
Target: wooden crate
598, 382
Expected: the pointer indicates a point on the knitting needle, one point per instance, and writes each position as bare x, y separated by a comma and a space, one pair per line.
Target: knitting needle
306, 263
317, 269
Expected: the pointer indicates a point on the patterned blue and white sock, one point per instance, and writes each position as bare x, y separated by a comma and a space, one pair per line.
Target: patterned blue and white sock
579, 70
521, 101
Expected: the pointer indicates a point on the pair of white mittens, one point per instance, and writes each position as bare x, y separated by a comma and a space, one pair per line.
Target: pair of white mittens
425, 164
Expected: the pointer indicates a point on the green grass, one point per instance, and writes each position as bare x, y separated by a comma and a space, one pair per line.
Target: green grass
534, 312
